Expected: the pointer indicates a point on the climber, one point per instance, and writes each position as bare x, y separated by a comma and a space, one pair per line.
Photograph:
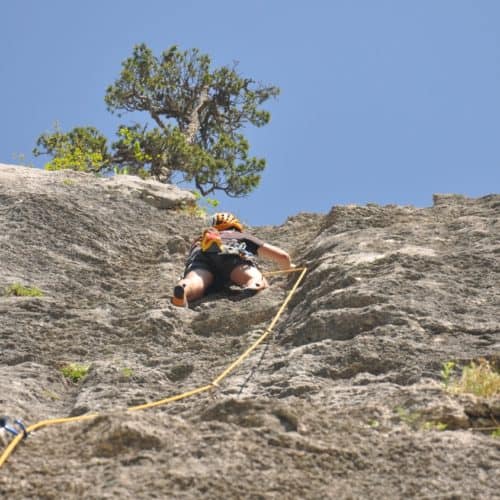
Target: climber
225, 254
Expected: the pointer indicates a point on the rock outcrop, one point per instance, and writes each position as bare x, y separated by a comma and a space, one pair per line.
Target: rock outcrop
345, 400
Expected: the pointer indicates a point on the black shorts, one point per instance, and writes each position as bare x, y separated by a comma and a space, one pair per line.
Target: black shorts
220, 265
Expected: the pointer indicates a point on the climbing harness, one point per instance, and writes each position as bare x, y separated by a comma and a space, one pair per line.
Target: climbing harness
215, 384
211, 242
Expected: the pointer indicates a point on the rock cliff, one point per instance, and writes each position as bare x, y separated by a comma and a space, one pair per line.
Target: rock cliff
345, 400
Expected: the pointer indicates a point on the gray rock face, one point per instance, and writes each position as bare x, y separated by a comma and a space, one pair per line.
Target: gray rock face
344, 400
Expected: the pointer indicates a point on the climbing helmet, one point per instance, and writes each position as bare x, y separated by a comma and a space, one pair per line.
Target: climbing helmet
225, 220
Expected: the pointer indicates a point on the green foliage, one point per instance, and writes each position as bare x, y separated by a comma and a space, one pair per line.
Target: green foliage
434, 426
479, 378
496, 433
121, 171
83, 149
75, 372
416, 421
19, 290
409, 418
127, 372
141, 152
447, 371
203, 205
197, 113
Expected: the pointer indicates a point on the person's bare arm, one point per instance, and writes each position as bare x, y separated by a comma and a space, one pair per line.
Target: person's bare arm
275, 254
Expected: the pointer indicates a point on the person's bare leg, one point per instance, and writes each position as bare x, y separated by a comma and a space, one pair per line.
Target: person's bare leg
192, 287
248, 277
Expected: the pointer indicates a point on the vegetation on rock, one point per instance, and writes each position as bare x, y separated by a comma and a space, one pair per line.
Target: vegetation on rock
197, 115
347, 401
479, 378
75, 371
19, 290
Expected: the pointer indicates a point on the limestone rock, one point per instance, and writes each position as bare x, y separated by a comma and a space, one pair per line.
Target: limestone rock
163, 196
31, 180
345, 399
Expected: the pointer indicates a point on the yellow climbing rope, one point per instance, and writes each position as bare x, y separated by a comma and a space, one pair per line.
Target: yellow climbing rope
214, 384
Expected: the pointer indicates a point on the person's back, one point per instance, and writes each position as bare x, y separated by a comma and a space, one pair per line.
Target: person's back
225, 254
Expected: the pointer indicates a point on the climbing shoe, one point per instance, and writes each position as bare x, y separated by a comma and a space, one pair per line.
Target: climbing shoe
256, 286
179, 297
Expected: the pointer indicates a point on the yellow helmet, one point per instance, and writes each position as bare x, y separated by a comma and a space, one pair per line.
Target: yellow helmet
225, 220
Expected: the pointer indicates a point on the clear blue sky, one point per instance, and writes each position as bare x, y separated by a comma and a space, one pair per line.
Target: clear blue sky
384, 101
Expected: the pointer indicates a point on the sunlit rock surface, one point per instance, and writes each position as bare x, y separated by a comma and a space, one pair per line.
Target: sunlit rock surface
345, 400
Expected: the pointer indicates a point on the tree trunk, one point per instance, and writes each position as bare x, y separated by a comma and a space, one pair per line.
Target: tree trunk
194, 119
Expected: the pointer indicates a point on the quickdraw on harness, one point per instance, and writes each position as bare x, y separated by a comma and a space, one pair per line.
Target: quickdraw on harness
16, 428
211, 242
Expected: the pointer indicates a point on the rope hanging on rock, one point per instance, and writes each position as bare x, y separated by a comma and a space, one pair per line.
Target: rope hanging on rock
25, 431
